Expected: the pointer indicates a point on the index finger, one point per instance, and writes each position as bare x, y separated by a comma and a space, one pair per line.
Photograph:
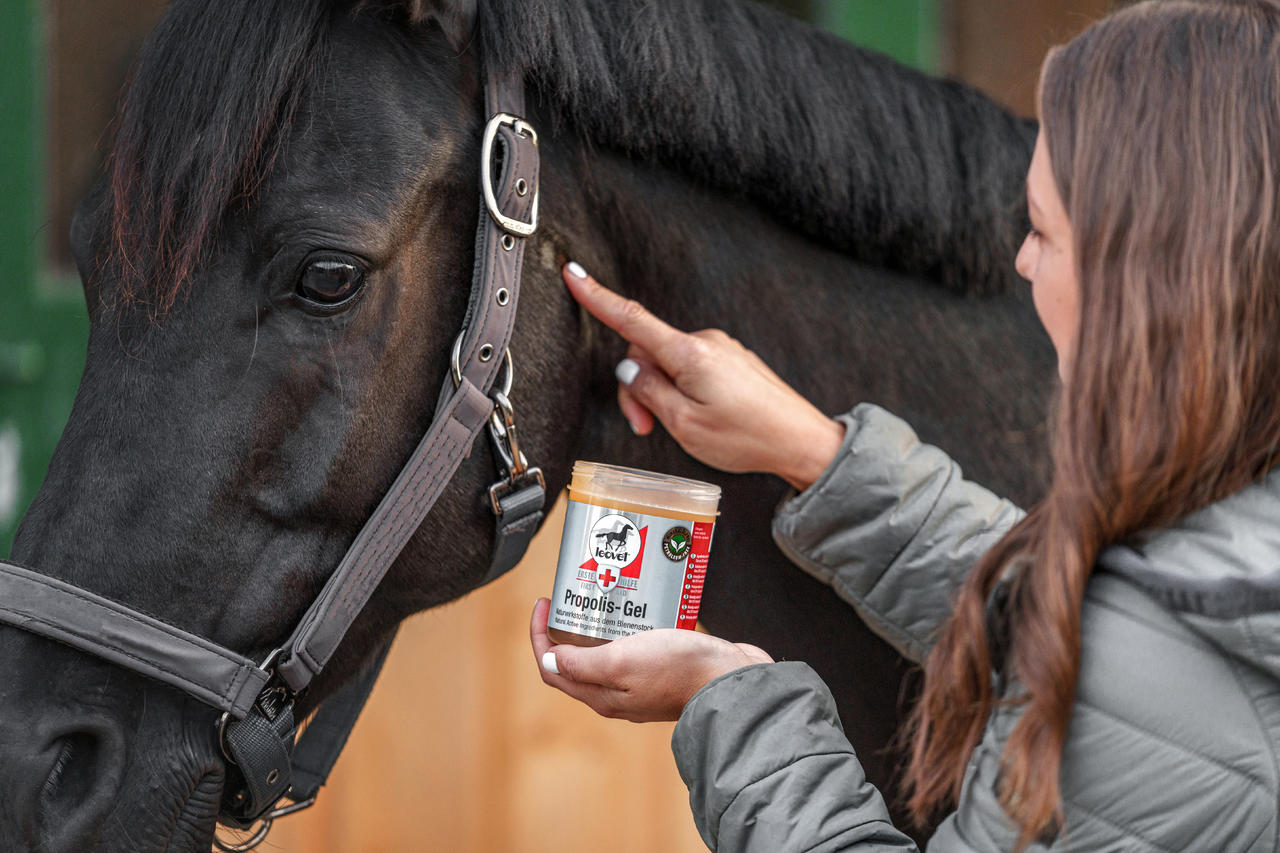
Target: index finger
627, 317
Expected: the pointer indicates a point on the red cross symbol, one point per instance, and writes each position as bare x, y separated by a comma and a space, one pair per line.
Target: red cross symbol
608, 577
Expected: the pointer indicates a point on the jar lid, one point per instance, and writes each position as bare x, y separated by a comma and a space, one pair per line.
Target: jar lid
661, 491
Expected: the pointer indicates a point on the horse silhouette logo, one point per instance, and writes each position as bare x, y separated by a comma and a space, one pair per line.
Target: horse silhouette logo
613, 543
615, 538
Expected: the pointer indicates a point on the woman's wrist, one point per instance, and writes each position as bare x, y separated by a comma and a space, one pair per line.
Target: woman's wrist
734, 657
813, 453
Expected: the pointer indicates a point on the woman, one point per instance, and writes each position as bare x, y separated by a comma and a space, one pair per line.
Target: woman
1103, 672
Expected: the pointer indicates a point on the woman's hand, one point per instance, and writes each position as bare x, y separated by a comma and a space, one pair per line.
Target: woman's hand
722, 404
644, 678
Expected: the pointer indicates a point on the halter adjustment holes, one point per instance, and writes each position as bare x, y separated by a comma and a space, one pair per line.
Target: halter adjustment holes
486, 352
508, 242
503, 296
330, 281
522, 187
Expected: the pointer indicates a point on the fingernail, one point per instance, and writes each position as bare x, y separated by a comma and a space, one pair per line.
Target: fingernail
634, 429
627, 371
575, 269
549, 663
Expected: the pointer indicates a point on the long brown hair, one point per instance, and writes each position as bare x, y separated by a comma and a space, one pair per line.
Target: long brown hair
1163, 129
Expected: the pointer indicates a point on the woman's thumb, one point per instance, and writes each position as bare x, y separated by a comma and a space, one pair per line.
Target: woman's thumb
576, 663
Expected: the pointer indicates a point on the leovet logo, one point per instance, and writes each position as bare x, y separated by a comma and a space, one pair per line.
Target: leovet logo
616, 550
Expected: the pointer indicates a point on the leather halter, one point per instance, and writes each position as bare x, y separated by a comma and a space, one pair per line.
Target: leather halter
257, 728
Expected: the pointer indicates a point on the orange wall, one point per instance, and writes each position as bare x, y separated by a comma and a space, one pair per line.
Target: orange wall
998, 45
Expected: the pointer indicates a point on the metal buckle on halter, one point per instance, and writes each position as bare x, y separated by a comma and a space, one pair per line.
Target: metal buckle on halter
502, 488
506, 223
270, 701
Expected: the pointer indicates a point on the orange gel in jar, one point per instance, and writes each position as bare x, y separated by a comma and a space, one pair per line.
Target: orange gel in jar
633, 556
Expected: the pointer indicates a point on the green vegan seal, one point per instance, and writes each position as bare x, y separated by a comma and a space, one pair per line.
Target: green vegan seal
676, 543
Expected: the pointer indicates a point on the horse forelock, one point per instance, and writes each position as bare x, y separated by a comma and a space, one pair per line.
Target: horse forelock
198, 129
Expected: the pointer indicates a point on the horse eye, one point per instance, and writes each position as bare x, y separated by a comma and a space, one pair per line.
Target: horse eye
329, 281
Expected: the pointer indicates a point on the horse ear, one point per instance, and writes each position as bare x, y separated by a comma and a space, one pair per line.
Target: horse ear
456, 17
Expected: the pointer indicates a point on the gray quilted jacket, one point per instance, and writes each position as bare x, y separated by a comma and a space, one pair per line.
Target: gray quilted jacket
1173, 737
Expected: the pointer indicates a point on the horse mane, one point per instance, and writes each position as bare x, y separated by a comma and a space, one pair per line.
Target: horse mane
198, 130
877, 161
881, 162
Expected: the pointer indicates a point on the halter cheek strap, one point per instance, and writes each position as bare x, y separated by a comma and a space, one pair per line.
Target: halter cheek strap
257, 729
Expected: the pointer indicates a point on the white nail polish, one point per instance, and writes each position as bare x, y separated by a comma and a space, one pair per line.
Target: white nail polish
549, 663
576, 270
626, 371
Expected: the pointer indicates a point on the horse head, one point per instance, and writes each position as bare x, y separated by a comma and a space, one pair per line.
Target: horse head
275, 267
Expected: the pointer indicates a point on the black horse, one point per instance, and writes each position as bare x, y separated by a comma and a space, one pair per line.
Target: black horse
852, 221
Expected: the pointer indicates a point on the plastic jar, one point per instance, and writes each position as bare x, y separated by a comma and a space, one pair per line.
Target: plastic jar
633, 556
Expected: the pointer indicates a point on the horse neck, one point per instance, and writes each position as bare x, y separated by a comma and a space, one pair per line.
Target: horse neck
697, 258
840, 330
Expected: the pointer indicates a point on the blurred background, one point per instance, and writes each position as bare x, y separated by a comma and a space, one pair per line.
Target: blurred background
461, 748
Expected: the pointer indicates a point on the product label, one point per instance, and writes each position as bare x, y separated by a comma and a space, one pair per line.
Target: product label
622, 572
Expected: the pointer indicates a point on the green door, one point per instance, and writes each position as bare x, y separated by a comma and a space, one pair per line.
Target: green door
907, 30
43, 323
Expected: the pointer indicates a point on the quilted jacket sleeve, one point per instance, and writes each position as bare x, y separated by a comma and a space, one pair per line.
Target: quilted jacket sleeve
893, 527
769, 769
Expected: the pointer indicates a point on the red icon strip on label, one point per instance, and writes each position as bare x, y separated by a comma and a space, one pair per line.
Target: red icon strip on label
695, 574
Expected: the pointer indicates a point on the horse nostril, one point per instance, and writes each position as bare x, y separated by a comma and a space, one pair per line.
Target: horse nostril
81, 785
73, 771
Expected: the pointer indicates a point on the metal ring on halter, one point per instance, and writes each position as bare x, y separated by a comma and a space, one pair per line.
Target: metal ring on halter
455, 364
258, 837
261, 835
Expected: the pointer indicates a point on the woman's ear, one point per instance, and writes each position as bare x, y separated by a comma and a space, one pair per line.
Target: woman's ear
457, 18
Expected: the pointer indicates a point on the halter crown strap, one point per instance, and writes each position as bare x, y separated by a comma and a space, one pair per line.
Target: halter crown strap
505, 219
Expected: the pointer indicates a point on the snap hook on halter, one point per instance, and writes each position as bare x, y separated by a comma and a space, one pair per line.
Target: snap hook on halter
515, 467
